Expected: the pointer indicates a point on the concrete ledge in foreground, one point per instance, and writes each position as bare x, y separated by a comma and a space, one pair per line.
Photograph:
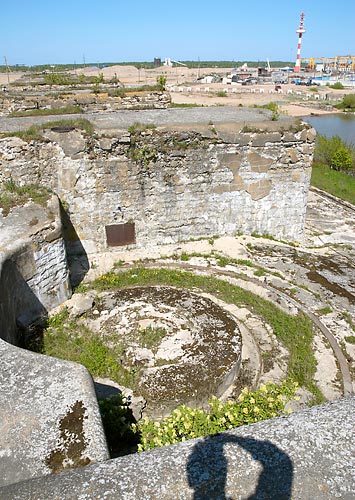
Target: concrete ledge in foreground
309, 455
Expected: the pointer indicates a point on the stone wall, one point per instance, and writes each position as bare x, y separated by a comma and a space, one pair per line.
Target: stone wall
174, 183
87, 102
34, 274
50, 420
49, 417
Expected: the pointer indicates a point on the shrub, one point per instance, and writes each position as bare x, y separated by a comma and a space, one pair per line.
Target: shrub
334, 152
100, 78
120, 92
56, 79
118, 420
337, 86
222, 93
341, 159
348, 102
161, 81
124, 433
187, 423
273, 107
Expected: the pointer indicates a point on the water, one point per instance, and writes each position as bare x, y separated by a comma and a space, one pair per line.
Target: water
342, 125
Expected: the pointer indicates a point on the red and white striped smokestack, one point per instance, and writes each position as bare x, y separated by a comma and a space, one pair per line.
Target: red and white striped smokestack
300, 32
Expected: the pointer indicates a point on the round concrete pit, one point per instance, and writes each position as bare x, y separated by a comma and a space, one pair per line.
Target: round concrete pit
184, 347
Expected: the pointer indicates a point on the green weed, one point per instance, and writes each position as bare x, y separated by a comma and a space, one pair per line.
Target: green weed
185, 105
67, 110
336, 183
188, 423
13, 194
151, 336
324, 310
139, 127
65, 338
34, 133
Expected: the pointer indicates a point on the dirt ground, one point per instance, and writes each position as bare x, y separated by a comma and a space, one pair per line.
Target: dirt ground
182, 83
11, 78
184, 89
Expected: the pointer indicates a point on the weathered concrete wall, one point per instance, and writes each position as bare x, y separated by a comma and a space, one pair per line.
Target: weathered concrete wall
177, 182
49, 417
87, 102
308, 455
34, 275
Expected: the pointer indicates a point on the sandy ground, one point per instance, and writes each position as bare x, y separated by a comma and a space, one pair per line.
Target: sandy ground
12, 77
179, 78
182, 82
244, 98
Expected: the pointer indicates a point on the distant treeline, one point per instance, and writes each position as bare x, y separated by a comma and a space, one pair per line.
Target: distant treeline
143, 65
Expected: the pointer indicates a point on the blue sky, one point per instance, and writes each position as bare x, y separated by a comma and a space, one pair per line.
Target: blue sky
62, 31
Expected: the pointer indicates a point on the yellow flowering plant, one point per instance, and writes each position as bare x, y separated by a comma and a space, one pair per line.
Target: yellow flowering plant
187, 423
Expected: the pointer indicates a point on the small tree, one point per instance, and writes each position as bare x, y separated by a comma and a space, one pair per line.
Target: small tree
337, 86
349, 101
161, 81
100, 78
341, 159
334, 153
325, 148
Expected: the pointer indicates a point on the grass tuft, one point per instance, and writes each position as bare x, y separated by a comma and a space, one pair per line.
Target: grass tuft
34, 133
67, 110
13, 195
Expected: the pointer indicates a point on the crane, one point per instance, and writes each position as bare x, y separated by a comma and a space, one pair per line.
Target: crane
169, 62
177, 62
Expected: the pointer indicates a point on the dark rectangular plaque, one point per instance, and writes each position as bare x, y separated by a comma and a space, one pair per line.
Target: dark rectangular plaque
120, 234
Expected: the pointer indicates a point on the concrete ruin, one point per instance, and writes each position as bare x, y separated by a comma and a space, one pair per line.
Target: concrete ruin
50, 419
125, 99
172, 183
163, 183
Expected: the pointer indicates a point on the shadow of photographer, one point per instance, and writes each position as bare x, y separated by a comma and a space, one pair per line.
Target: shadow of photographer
207, 469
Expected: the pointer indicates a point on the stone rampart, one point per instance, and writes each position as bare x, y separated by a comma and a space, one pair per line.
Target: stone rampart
105, 101
174, 182
34, 274
49, 414
307, 455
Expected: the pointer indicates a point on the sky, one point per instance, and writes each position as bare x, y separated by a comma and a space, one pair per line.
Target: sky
77, 31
